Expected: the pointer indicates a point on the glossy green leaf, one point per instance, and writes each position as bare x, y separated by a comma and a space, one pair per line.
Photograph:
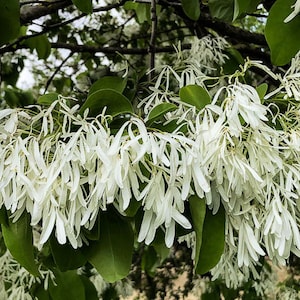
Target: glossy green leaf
65, 256
41, 44
159, 111
9, 20
262, 90
223, 10
194, 95
282, 38
114, 102
47, 99
85, 6
198, 211
18, 239
68, 286
112, 254
213, 240
109, 82
191, 8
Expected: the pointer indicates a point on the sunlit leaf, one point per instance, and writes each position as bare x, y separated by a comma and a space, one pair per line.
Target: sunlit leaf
47, 99
114, 102
109, 82
194, 95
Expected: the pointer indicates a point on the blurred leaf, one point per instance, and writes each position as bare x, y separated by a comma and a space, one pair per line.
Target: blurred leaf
150, 260
159, 111
223, 10
41, 44
191, 8
69, 286
65, 256
19, 241
115, 103
198, 211
262, 90
85, 6
213, 240
89, 289
194, 95
47, 99
9, 20
244, 6
283, 38
109, 82
16, 98
112, 254
41, 294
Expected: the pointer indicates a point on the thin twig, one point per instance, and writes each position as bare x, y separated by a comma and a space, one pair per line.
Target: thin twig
152, 45
56, 71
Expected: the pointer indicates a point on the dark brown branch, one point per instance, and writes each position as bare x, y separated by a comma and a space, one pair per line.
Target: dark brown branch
152, 44
33, 12
227, 30
56, 71
111, 50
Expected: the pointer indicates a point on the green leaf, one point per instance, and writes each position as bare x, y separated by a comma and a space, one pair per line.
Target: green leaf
150, 260
41, 294
18, 239
112, 254
68, 286
47, 99
191, 8
244, 6
65, 256
9, 20
159, 111
89, 289
41, 44
213, 239
86, 6
109, 82
262, 90
282, 38
115, 103
223, 10
194, 95
198, 211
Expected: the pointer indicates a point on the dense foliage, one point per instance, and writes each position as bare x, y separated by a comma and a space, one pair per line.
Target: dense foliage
157, 138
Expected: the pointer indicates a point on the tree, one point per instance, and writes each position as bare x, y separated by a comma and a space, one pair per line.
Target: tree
159, 137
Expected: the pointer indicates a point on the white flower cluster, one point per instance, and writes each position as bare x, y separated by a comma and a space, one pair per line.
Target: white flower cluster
16, 281
64, 169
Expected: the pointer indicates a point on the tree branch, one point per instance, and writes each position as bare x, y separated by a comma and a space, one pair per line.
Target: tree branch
152, 44
33, 12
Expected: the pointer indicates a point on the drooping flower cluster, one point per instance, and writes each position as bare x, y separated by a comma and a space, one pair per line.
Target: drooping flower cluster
64, 168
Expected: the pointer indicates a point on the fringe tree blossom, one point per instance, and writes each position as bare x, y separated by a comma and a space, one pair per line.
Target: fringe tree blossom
64, 168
